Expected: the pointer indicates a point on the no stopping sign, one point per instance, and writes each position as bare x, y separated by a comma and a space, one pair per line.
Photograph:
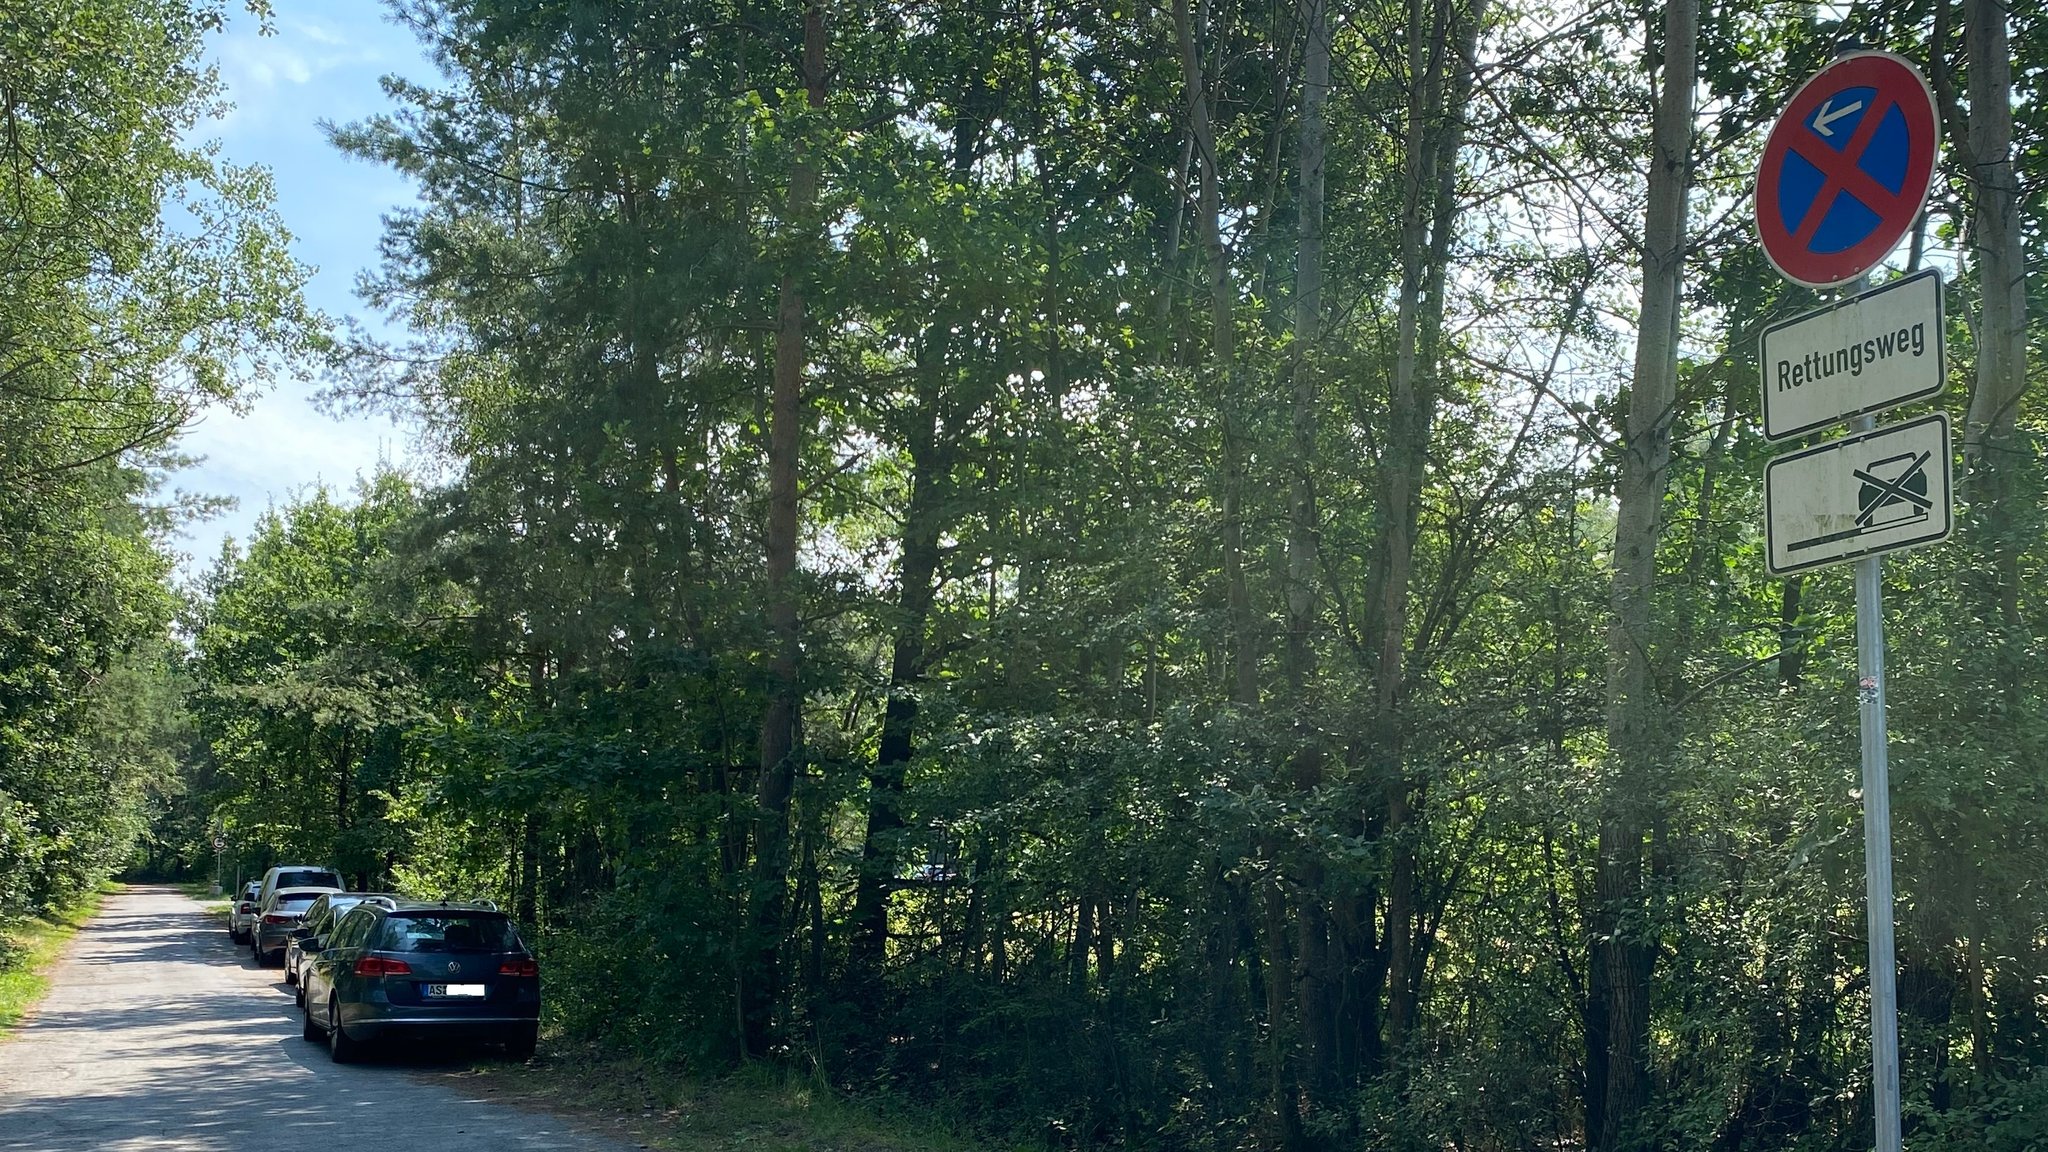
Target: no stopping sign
1846, 169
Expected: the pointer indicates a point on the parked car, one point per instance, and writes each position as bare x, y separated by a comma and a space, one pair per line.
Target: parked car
413, 969
316, 925
243, 911
299, 876
275, 920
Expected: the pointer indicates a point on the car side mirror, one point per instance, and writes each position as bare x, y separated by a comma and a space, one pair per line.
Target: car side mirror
301, 933
308, 946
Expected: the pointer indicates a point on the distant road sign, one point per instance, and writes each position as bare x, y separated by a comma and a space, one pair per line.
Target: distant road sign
1847, 169
1879, 491
1863, 355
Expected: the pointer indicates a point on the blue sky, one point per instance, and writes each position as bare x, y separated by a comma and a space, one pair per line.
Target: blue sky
323, 63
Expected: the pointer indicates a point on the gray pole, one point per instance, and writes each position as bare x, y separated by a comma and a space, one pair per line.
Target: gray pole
1877, 841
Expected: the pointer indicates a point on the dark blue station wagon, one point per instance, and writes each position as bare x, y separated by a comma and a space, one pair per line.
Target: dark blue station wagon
406, 968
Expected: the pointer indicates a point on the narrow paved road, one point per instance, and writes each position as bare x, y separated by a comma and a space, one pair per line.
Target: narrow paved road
160, 1035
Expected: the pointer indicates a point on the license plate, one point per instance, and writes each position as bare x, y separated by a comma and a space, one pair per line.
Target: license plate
452, 990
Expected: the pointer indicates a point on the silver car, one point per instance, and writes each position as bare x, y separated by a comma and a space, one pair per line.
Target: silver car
242, 912
275, 920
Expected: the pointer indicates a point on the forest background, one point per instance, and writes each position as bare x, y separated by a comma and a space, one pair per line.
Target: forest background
1183, 575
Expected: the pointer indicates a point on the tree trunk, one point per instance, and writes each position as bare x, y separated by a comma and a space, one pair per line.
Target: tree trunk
1401, 464
343, 759
1637, 736
1990, 439
1308, 328
920, 565
527, 905
1441, 62
1791, 638
1243, 656
779, 718
1279, 965
1314, 969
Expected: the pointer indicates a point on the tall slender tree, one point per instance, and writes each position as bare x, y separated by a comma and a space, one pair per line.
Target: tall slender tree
1639, 736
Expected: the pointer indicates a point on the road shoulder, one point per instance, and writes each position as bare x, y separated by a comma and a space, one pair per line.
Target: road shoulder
30, 950
665, 1108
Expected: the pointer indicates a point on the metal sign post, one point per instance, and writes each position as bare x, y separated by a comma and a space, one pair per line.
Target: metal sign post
1844, 174
1877, 841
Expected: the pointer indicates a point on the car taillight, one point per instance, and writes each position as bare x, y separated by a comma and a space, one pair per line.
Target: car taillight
379, 966
274, 918
524, 966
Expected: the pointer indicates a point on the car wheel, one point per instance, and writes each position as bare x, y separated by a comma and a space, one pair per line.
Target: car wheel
291, 977
520, 1048
299, 994
339, 1046
307, 1028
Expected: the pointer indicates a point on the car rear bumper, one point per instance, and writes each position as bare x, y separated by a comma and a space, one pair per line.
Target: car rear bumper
273, 939
497, 1028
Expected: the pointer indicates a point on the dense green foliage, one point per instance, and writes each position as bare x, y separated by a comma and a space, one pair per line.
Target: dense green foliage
1209, 438
115, 329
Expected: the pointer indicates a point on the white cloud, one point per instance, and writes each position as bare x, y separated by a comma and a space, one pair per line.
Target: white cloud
282, 445
319, 35
282, 86
250, 61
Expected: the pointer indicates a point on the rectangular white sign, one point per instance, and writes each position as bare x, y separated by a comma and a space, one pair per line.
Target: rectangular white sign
1878, 491
1870, 352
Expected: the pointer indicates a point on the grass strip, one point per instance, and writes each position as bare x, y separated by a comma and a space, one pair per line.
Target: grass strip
27, 950
202, 891
664, 1107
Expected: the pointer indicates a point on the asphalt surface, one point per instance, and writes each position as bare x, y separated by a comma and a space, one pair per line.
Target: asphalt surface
159, 1034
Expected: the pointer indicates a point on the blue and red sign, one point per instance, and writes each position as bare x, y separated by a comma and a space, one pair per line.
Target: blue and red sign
1846, 169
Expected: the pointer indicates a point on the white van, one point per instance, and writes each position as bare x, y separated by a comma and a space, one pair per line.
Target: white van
298, 876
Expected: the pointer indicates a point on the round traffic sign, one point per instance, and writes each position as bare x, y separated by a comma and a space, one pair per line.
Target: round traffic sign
1846, 169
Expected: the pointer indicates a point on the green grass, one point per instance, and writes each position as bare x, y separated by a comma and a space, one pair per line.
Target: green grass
202, 891
27, 949
754, 1110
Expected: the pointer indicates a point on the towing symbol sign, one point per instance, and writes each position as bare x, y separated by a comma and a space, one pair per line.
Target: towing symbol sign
1874, 492
1894, 491
1847, 169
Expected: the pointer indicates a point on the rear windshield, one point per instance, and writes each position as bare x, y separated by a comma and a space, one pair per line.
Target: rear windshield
447, 932
309, 879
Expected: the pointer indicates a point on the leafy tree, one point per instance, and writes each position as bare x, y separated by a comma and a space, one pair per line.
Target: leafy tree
140, 280
1190, 573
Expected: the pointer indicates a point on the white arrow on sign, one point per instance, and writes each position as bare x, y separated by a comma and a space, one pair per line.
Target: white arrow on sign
1824, 121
